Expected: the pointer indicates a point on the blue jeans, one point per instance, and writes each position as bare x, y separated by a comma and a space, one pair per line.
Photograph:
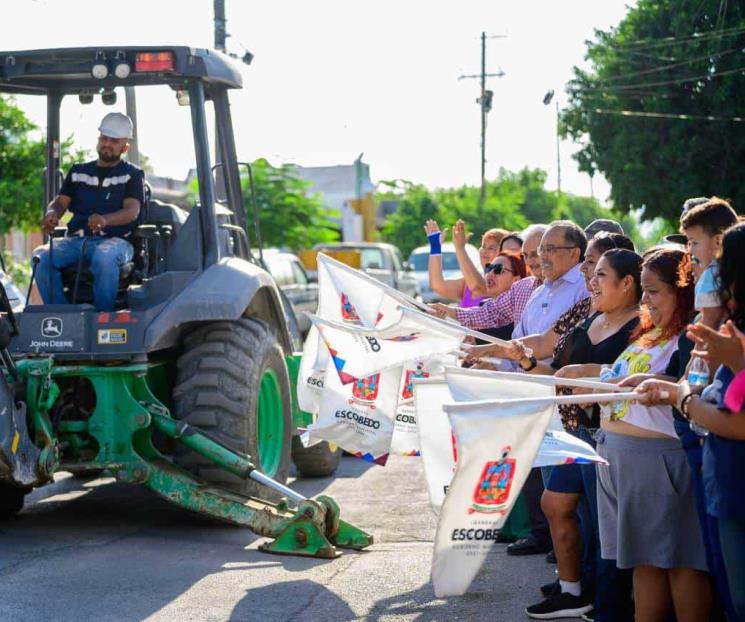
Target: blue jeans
694, 453
732, 537
105, 256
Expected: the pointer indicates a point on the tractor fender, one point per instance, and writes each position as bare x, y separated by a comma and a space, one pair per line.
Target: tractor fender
228, 290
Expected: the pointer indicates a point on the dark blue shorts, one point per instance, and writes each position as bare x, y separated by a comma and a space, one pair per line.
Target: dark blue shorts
565, 478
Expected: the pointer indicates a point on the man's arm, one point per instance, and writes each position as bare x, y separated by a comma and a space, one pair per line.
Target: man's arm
57, 207
129, 213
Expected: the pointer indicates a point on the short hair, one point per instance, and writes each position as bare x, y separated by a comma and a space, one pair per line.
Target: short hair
689, 204
511, 236
573, 234
533, 230
604, 241
603, 224
713, 217
496, 234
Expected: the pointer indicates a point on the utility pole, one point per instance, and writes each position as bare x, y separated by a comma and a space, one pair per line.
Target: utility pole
220, 32
558, 151
547, 98
485, 103
482, 101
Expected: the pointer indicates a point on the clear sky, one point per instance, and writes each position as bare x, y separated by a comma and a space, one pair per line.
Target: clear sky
334, 78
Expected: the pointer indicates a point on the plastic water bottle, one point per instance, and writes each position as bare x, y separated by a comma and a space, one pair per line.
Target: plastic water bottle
698, 378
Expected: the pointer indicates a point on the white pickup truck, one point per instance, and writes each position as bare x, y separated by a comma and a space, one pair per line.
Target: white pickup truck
383, 262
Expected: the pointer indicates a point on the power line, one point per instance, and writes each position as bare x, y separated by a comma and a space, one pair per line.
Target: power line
665, 115
626, 87
666, 67
663, 41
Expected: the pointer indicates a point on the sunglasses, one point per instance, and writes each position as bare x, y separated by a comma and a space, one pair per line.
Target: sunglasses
496, 268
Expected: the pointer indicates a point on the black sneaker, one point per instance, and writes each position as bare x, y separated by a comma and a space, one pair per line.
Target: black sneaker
549, 588
560, 605
589, 616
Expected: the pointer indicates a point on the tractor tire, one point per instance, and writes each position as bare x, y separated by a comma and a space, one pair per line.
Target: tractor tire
232, 382
318, 460
11, 500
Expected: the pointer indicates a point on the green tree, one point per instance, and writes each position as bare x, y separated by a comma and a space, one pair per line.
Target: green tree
289, 216
666, 57
21, 163
513, 201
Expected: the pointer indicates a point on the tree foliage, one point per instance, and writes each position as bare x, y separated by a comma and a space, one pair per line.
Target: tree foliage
289, 216
668, 57
513, 201
21, 163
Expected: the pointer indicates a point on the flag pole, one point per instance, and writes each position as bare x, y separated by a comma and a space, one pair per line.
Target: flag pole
580, 383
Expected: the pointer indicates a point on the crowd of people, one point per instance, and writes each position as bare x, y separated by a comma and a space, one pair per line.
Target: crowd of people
659, 533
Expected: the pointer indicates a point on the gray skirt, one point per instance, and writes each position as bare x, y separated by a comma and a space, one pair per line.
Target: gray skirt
646, 506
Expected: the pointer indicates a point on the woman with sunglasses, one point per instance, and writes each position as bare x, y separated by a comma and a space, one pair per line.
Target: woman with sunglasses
500, 275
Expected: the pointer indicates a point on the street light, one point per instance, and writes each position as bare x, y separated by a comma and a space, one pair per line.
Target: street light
546, 101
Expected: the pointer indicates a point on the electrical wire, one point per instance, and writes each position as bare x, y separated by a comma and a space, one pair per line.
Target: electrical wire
663, 41
666, 67
626, 87
665, 115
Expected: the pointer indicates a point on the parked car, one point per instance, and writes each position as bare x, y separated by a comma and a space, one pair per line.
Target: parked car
419, 260
16, 298
383, 262
301, 290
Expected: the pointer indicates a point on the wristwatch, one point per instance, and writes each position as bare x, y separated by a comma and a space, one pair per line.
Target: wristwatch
532, 363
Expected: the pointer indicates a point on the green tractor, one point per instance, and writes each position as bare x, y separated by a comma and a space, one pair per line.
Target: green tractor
188, 387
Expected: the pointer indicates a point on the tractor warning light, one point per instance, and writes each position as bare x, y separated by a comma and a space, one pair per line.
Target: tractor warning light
154, 61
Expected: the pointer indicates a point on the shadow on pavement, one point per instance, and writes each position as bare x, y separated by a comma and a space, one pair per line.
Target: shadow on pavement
270, 603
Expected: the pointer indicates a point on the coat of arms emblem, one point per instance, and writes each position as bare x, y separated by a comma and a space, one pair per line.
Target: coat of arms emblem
493, 489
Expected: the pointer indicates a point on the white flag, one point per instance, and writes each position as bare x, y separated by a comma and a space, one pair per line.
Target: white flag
436, 439
350, 297
558, 446
438, 447
405, 433
358, 416
497, 442
358, 351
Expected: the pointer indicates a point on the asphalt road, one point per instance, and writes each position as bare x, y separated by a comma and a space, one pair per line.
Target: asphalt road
98, 550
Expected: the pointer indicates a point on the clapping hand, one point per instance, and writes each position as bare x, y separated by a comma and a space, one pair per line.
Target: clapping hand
723, 347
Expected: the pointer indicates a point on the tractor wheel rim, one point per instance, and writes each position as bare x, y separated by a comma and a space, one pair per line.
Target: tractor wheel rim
270, 423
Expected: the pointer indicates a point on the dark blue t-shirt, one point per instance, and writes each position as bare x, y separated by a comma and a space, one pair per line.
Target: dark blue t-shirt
101, 190
723, 459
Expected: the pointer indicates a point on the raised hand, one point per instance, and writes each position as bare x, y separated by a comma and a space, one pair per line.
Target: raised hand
460, 237
431, 227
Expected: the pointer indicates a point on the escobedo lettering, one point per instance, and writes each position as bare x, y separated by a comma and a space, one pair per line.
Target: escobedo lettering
406, 418
474, 534
356, 417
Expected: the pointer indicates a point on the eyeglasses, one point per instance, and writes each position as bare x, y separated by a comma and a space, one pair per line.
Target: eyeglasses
496, 268
551, 249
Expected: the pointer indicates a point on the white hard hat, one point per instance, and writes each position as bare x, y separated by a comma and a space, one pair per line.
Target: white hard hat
116, 125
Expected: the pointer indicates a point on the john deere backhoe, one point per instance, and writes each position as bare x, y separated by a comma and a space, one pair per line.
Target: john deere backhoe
188, 388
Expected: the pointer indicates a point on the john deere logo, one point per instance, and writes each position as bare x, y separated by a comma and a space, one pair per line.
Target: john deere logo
51, 327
